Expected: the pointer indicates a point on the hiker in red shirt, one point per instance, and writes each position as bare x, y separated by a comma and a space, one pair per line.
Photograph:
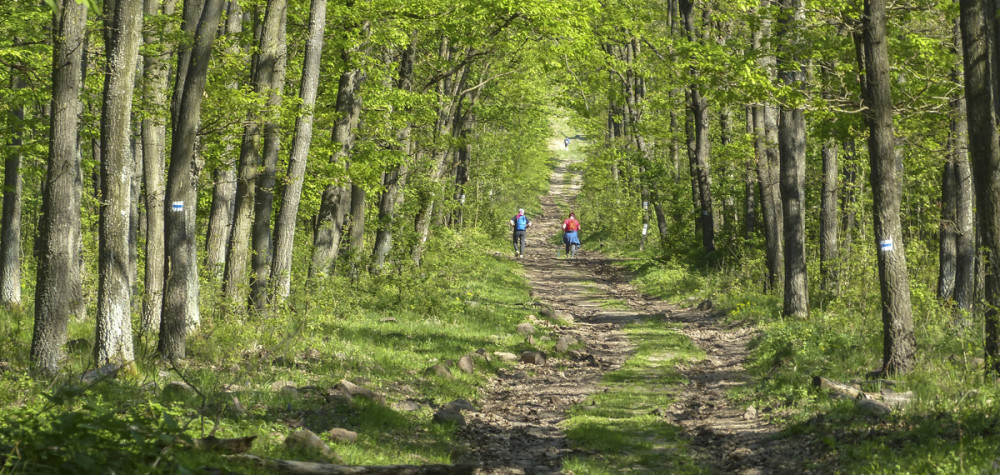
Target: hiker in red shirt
571, 237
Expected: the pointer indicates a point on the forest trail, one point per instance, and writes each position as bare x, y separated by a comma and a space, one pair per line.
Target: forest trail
517, 430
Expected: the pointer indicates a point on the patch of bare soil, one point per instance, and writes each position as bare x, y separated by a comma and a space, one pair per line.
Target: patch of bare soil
517, 428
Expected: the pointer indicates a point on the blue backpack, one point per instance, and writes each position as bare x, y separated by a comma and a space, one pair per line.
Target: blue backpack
521, 222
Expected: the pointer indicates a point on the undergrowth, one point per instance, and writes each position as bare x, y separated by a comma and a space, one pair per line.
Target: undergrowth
380, 332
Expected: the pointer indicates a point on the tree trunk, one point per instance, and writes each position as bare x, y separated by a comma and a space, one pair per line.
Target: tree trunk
948, 233
58, 290
336, 199
10, 234
359, 205
984, 151
701, 172
765, 126
284, 228
273, 52
113, 341
965, 242
750, 184
899, 350
179, 243
829, 224
394, 180
154, 132
220, 218
792, 151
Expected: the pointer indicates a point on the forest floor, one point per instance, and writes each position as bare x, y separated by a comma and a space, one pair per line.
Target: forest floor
519, 428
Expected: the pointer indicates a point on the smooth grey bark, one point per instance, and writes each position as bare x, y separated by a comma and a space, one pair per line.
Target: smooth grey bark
984, 152
899, 347
948, 230
702, 141
220, 218
261, 244
828, 221
359, 205
750, 183
284, 228
179, 242
113, 340
58, 290
255, 168
965, 239
765, 141
154, 133
336, 199
10, 232
394, 180
792, 152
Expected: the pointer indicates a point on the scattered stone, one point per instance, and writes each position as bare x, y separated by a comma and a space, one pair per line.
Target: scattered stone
79, 345
547, 312
466, 365
230, 388
177, 391
108, 371
343, 436
311, 354
482, 352
284, 362
565, 341
449, 415
504, 356
564, 318
750, 414
472, 303
353, 390
308, 443
526, 329
532, 318
530, 340
705, 305
4, 366
279, 386
533, 357
406, 406
387, 320
462, 405
977, 363
438, 370
872, 407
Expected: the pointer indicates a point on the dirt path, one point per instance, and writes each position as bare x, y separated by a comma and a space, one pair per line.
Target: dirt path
517, 429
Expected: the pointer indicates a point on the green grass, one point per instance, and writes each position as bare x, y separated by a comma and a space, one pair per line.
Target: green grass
342, 331
618, 427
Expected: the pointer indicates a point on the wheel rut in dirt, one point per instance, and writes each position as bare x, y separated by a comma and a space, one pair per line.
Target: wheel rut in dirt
517, 430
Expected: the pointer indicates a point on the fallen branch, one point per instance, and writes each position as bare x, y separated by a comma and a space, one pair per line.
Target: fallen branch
890, 398
313, 468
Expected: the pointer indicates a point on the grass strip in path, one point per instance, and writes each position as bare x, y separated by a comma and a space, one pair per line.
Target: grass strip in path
624, 428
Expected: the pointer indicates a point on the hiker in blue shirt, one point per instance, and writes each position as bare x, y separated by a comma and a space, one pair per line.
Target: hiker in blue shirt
566, 143
520, 223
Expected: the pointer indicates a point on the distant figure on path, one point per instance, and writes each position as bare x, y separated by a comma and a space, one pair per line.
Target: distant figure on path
566, 142
571, 237
520, 223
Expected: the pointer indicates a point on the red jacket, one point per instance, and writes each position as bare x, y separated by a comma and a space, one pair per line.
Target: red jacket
571, 224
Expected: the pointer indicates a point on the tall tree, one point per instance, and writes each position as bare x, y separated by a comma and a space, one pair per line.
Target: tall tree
965, 239
266, 61
284, 228
113, 343
899, 348
58, 291
792, 152
702, 143
984, 152
272, 64
179, 199
829, 224
154, 133
10, 231
220, 218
